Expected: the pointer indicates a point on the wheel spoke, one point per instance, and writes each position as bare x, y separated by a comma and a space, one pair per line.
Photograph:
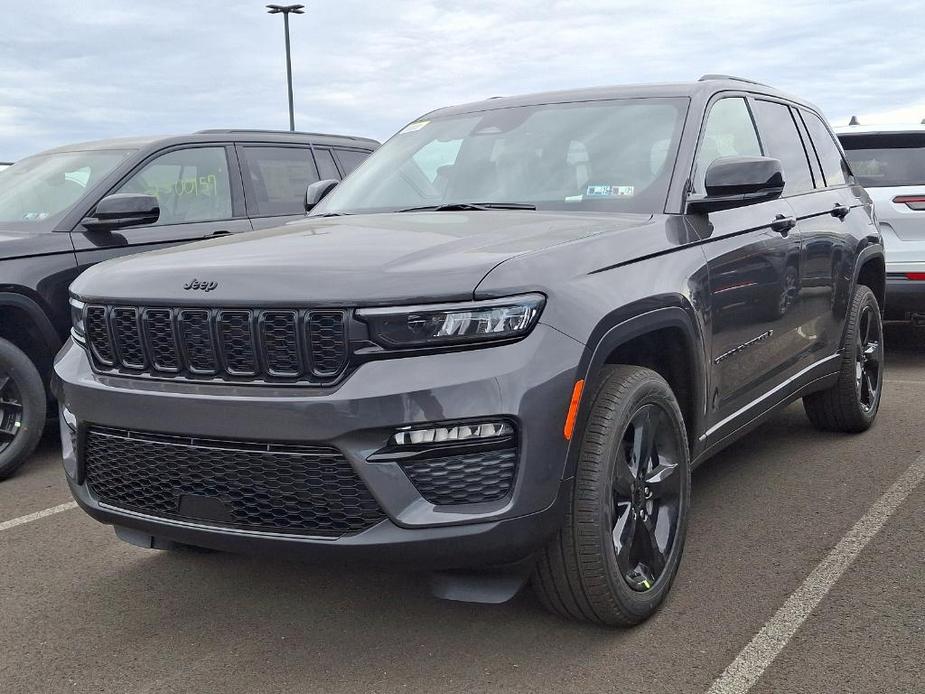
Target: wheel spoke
8, 432
622, 480
4, 380
663, 481
624, 535
643, 439
871, 391
656, 553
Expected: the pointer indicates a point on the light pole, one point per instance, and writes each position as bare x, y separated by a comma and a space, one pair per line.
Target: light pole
285, 10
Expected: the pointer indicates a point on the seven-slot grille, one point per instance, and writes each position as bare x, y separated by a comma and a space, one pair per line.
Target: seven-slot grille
211, 343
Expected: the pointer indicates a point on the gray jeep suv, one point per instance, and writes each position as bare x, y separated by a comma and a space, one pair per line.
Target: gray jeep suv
495, 351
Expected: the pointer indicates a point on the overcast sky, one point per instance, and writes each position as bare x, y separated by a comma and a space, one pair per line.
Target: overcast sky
72, 71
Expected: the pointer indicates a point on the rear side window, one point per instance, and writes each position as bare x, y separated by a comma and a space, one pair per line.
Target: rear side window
887, 159
729, 132
350, 159
191, 185
327, 169
782, 141
276, 179
833, 165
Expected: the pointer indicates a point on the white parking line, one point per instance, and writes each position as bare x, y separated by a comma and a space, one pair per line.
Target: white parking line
754, 659
6, 525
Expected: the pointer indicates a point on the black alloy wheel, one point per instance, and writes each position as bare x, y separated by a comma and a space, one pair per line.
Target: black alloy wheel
868, 358
646, 497
615, 557
11, 411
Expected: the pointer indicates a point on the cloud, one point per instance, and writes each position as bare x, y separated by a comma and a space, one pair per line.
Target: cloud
69, 72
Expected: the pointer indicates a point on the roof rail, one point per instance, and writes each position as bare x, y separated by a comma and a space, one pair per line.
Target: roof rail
708, 77
228, 131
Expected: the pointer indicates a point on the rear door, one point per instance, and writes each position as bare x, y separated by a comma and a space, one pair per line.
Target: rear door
814, 322
832, 221
200, 196
275, 180
753, 269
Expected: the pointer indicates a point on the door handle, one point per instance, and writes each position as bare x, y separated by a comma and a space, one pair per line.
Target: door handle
840, 211
782, 225
221, 232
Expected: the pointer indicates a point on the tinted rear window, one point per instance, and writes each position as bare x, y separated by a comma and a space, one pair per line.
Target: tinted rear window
888, 159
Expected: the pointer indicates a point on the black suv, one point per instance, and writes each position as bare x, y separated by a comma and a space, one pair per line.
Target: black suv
496, 351
68, 208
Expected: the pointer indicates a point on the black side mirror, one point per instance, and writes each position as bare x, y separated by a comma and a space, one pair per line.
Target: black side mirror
737, 181
123, 210
317, 190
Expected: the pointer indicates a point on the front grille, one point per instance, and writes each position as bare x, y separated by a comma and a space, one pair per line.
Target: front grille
464, 478
309, 490
227, 344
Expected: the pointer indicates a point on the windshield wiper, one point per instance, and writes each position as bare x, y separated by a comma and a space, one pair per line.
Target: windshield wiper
466, 206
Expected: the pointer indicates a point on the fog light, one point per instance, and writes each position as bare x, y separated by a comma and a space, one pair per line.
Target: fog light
452, 434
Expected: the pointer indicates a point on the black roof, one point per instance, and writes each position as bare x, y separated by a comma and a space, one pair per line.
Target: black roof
705, 87
221, 135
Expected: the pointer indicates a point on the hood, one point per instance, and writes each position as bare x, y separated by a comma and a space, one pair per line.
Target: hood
369, 259
22, 244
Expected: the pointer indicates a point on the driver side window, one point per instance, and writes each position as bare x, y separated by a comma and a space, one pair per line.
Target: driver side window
191, 185
729, 132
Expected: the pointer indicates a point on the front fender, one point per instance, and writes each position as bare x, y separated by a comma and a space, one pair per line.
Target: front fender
616, 330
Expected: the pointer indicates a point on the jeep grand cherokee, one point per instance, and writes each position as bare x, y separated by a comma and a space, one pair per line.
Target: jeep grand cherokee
496, 351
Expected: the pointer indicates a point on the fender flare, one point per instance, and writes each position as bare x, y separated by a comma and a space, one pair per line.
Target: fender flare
38, 317
596, 354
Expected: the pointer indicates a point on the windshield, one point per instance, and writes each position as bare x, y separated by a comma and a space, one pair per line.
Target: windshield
614, 156
887, 159
37, 191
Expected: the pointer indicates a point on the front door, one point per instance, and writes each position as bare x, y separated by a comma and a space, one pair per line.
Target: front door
198, 188
753, 256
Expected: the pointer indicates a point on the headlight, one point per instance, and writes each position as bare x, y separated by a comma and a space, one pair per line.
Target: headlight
453, 324
78, 330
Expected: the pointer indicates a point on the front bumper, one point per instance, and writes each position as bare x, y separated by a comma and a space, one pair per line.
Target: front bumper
528, 382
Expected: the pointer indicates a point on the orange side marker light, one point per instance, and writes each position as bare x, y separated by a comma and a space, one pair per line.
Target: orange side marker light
572, 415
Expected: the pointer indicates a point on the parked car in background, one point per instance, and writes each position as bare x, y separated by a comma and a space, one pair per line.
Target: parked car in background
495, 351
66, 209
889, 161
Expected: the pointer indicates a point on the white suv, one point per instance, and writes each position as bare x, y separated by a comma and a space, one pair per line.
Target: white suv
889, 161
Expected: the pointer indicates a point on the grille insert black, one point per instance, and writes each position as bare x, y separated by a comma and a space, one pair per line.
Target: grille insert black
248, 485
464, 478
227, 344
97, 326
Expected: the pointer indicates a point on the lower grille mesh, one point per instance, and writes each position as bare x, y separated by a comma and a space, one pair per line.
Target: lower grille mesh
466, 478
256, 486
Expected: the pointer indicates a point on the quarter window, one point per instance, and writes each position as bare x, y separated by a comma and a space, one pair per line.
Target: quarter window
833, 164
350, 159
191, 185
276, 179
782, 141
729, 132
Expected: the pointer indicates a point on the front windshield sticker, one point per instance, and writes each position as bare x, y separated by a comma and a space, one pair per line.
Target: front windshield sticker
610, 191
413, 127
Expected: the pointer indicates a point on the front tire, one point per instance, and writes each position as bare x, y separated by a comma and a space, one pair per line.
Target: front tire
614, 559
851, 405
22, 407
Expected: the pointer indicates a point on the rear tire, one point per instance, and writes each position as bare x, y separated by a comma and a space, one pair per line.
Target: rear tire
851, 405
23, 407
616, 555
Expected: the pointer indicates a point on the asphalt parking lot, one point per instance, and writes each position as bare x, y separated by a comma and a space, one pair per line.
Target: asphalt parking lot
83, 612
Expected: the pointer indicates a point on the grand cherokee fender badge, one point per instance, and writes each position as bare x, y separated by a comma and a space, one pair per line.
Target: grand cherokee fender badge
195, 284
